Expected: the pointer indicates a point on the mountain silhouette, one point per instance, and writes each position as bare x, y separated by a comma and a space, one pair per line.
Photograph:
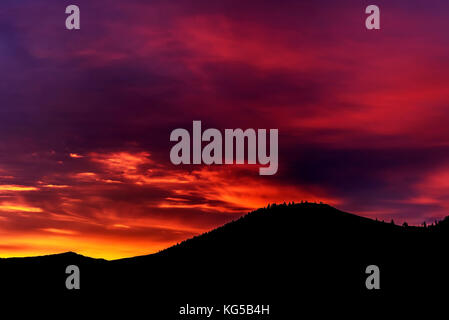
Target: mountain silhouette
273, 256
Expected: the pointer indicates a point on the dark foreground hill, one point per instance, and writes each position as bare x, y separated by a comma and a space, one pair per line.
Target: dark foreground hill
292, 257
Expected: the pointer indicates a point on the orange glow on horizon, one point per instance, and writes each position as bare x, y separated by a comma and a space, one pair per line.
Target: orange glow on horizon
54, 242
83, 218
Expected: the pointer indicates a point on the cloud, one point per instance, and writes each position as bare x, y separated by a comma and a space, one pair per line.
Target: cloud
16, 188
151, 202
86, 116
12, 207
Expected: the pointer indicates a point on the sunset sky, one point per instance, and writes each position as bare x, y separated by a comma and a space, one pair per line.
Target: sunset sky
86, 116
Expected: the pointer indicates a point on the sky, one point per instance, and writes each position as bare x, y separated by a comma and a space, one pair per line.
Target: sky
86, 116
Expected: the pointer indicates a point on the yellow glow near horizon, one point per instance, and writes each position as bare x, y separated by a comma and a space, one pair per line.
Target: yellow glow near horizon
55, 242
16, 188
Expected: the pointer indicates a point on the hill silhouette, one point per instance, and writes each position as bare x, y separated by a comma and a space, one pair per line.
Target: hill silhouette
273, 255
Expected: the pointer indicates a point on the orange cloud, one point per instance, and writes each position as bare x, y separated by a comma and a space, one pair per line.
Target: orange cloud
60, 231
121, 161
56, 186
16, 188
76, 156
86, 176
118, 225
8, 207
